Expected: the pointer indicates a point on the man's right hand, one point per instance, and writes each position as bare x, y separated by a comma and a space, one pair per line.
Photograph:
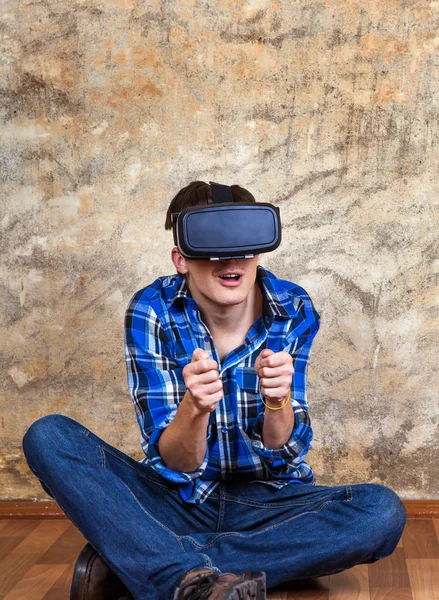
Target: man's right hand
202, 379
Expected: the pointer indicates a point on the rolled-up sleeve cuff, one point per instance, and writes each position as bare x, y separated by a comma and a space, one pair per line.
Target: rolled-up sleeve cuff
288, 457
155, 461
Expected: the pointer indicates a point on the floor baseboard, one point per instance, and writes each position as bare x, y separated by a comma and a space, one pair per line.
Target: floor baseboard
45, 509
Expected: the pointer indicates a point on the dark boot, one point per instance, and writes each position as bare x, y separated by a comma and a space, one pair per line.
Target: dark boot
208, 584
94, 580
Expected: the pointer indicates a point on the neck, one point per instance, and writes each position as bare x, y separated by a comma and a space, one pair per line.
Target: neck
231, 319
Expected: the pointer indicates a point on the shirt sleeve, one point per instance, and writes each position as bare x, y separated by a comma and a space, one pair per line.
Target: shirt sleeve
155, 383
290, 457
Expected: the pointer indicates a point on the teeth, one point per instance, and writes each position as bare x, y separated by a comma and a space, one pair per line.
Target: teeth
229, 276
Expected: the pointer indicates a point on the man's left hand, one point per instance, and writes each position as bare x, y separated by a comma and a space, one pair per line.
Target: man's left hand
275, 371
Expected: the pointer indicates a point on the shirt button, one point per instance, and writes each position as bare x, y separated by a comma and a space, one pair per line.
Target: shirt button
224, 429
206, 338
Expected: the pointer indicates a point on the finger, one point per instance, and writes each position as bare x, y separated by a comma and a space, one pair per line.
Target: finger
270, 372
275, 393
204, 365
274, 382
208, 376
276, 359
202, 390
213, 388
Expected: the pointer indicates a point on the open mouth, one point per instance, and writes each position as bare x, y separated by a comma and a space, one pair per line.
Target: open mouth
230, 280
230, 277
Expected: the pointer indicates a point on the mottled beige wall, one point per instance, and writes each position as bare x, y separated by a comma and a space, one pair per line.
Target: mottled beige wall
327, 109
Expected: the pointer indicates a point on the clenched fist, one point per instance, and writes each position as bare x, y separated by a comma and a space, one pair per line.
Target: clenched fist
275, 371
202, 379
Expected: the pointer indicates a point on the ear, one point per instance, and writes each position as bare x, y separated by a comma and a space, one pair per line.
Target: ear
179, 261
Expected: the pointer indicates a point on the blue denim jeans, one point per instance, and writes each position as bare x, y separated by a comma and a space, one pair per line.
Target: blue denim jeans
149, 537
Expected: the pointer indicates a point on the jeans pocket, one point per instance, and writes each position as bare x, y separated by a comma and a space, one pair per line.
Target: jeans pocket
302, 496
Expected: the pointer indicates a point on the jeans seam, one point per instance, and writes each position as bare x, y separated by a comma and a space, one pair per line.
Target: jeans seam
221, 508
103, 461
235, 533
144, 475
249, 502
176, 536
39, 479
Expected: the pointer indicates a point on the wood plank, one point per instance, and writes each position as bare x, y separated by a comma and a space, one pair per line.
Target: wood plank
351, 584
36, 582
390, 594
389, 572
301, 589
42, 537
61, 589
420, 539
13, 568
8, 544
66, 548
3, 523
19, 527
27, 553
424, 578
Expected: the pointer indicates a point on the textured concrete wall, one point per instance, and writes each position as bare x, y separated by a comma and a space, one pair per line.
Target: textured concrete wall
329, 110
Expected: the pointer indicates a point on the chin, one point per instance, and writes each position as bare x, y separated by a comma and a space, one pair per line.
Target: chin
231, 300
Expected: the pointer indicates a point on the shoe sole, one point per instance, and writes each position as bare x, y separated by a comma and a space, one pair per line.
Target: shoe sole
254, 588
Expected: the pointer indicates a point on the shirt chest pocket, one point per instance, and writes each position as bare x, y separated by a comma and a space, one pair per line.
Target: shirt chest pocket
182, 352
247, 379
248, 388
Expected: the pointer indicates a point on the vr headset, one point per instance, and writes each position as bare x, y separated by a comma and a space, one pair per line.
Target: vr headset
226, 229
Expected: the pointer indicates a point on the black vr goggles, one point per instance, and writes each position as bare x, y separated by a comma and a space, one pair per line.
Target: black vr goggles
226, 229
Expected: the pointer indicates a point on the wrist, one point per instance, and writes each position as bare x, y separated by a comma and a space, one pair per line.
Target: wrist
272, 403
192, 409
281, 403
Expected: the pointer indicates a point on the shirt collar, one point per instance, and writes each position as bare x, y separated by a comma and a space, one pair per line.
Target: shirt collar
278, 301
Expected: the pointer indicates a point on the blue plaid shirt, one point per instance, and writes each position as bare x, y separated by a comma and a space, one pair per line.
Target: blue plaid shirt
163, 326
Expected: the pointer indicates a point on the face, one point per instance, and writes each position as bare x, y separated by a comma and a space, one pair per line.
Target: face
208, 284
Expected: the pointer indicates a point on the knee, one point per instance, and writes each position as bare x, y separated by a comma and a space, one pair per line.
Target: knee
389, 508
389, 517
45, 433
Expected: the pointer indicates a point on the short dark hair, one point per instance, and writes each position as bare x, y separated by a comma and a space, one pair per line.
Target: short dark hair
199, 192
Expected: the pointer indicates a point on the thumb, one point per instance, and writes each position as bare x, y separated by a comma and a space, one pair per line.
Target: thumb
199, 354
266, 352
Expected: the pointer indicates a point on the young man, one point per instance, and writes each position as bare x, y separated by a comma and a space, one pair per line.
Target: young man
223, 505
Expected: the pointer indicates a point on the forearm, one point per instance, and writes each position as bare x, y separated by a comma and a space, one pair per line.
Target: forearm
278, 426
182, 445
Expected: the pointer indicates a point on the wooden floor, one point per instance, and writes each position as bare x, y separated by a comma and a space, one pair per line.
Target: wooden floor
37, 559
